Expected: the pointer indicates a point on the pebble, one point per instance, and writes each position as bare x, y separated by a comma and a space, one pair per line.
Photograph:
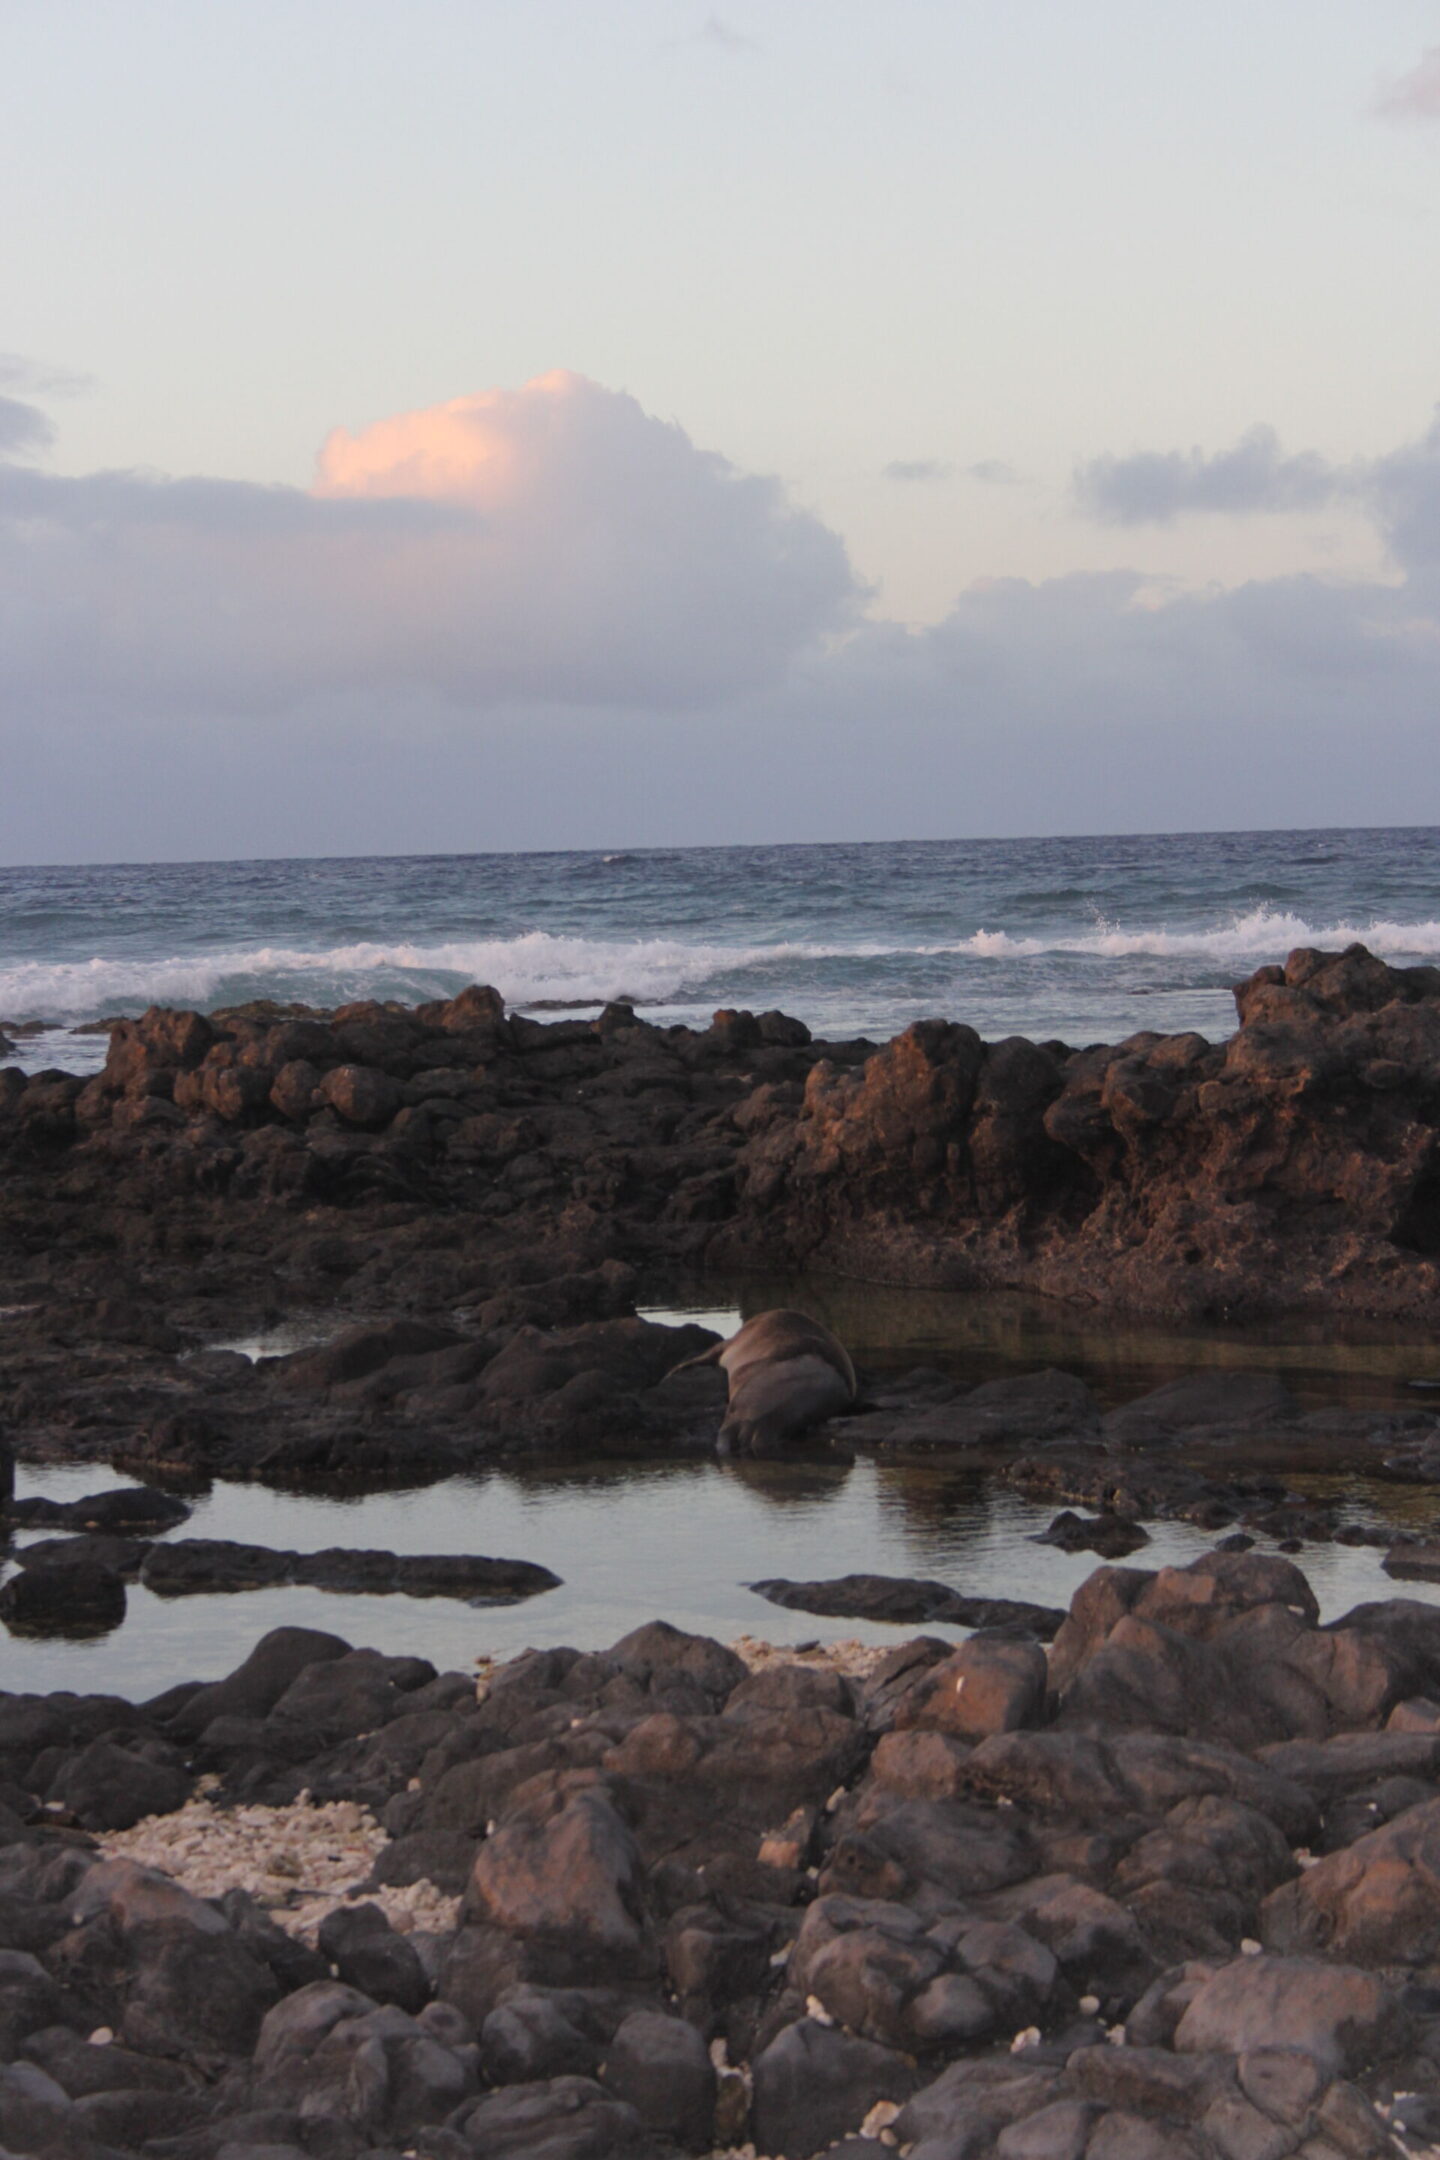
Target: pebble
849, 1655
318, 1854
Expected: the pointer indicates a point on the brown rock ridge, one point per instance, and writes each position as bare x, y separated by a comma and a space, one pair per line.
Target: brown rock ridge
1294, 1166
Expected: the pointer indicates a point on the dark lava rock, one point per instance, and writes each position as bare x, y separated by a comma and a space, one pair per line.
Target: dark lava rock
661, 2066
196, 1566
367, 1954
569, 1873
814, 2084
132, 1510
361, 1351
905, 1601
255, 1687
1203, 1403
110, 1786
1021, 1407
119, 1555
1161, 1173
1112, 1536
1414, 1560
1340, 2016
632, 1831
987, 1685
1377, 1902
564, 2118
76, 1601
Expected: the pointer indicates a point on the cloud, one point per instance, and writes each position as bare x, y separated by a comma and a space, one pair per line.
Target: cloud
713, 31
550, 543
1157, 486
1404, 490
542, 618
1415, 96
19, 373
23, 429
917, 469
1399, 491
718, 35
994, 472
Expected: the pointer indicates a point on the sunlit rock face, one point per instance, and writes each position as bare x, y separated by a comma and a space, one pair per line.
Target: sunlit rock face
1293, 1166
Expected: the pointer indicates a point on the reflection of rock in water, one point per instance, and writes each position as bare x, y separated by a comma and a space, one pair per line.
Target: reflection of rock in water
795, 1478
950, 1505
1347, 1359
560, 1474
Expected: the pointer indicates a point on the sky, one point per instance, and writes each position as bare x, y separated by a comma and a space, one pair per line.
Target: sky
463, 424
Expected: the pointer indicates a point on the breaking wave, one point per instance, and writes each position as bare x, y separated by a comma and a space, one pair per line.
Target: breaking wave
531, 969
539, 968
1261, 935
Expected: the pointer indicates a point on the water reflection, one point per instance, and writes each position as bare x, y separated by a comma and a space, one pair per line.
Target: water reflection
785, 1484
681, 1538
1349, 1362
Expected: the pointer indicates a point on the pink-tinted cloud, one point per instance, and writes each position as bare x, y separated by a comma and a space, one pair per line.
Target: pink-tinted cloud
582, 629
550, 543
1415, 96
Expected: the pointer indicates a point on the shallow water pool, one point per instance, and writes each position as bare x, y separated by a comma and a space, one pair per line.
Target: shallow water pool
630, 1542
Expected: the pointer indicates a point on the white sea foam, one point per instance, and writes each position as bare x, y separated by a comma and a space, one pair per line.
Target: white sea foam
524, 969
1260, 935
537, 967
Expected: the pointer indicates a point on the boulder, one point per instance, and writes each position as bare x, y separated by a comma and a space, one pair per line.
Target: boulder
1376, 1903
1343, 2017
661, 2067
814, 2084
568, 1874
985, 1686
362, 1094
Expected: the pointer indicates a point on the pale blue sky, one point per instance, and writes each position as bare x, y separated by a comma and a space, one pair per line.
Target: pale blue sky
832, 240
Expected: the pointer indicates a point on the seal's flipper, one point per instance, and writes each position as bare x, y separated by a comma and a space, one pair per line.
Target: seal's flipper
705, 1357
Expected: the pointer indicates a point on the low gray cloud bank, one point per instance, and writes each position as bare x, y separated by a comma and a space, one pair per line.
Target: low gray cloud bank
23, 428
1157, 486
543, 619
911, 469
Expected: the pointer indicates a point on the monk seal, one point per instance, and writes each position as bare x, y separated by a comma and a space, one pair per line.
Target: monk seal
785, 1372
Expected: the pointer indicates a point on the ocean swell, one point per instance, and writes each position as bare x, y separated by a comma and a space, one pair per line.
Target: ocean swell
538, 968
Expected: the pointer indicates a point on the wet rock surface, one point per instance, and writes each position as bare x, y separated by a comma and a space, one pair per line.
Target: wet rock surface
468, 1195
661, 1902
893, 1597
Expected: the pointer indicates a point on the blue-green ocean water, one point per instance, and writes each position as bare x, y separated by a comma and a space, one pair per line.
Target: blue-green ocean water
1085, 939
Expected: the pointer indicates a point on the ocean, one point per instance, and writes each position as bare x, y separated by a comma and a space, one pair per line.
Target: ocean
1082, 939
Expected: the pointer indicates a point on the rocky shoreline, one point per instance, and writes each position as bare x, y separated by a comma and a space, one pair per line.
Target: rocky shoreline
468, 1202
1170, 1892
1164, 1888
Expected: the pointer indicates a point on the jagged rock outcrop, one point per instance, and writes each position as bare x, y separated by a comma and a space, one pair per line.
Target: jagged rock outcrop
1296, 1165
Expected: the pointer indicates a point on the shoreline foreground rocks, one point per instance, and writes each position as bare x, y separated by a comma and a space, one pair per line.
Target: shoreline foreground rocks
1164, 1889
1168, 1892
